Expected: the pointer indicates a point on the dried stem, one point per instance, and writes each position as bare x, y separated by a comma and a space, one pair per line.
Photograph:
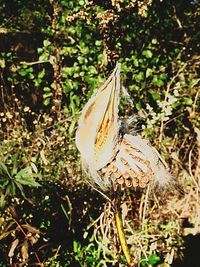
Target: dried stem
122, 238
12, 213
120, 229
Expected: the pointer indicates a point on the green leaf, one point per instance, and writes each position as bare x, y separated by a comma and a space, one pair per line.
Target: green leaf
158, 82
148, 72
98, 42
37, 82
154, 41
41, 74
47, 95
81, 2
72, 127
26, 177
153, 259
46, 43
47, 101
31, 76
155, 95
76, 246
138, 105
47, 89
23, 72
24, 172
15, 166
4, 170
2, 202
147, 53
40, 50
28, 180
136, 63
143, 262
44, 57
140, 76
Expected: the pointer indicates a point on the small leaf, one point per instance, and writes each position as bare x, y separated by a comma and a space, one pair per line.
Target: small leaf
47, 95
153, 259
148, 72
24, 172
47, 101
15, 165
155, 95
2, 202
138, 105
28, 180
23, 72
26, 177
98, 42
41, 74
46, 43
147, 53
4, 170
47, 89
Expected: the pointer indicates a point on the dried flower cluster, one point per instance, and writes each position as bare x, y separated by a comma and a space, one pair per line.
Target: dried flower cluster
79, 15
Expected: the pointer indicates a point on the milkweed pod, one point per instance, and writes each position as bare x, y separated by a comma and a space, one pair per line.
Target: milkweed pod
98, 126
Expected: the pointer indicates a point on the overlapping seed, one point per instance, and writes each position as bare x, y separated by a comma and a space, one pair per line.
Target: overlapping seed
129, 168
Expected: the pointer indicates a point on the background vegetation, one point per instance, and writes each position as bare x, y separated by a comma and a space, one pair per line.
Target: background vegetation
53, 54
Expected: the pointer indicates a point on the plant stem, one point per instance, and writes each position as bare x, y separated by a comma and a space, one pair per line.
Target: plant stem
122, 238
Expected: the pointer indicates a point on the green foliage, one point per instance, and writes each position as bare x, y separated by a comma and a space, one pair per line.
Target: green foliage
54, 54
152, 260
13, 179
87, 256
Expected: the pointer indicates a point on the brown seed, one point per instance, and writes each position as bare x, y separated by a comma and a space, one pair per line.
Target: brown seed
120, 180
128, 167
117, 174
128, 182
140, 170
123, 161
115, 186
128, 151
146, 178
124, 142
142, 184
132, 173
138, 159
134, 182
126, 175
109, 167
113, 168
133, 148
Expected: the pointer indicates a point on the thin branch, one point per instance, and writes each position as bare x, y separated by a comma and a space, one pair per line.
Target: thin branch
35, 62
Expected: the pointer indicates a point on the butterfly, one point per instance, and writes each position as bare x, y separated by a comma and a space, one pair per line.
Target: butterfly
109, 156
